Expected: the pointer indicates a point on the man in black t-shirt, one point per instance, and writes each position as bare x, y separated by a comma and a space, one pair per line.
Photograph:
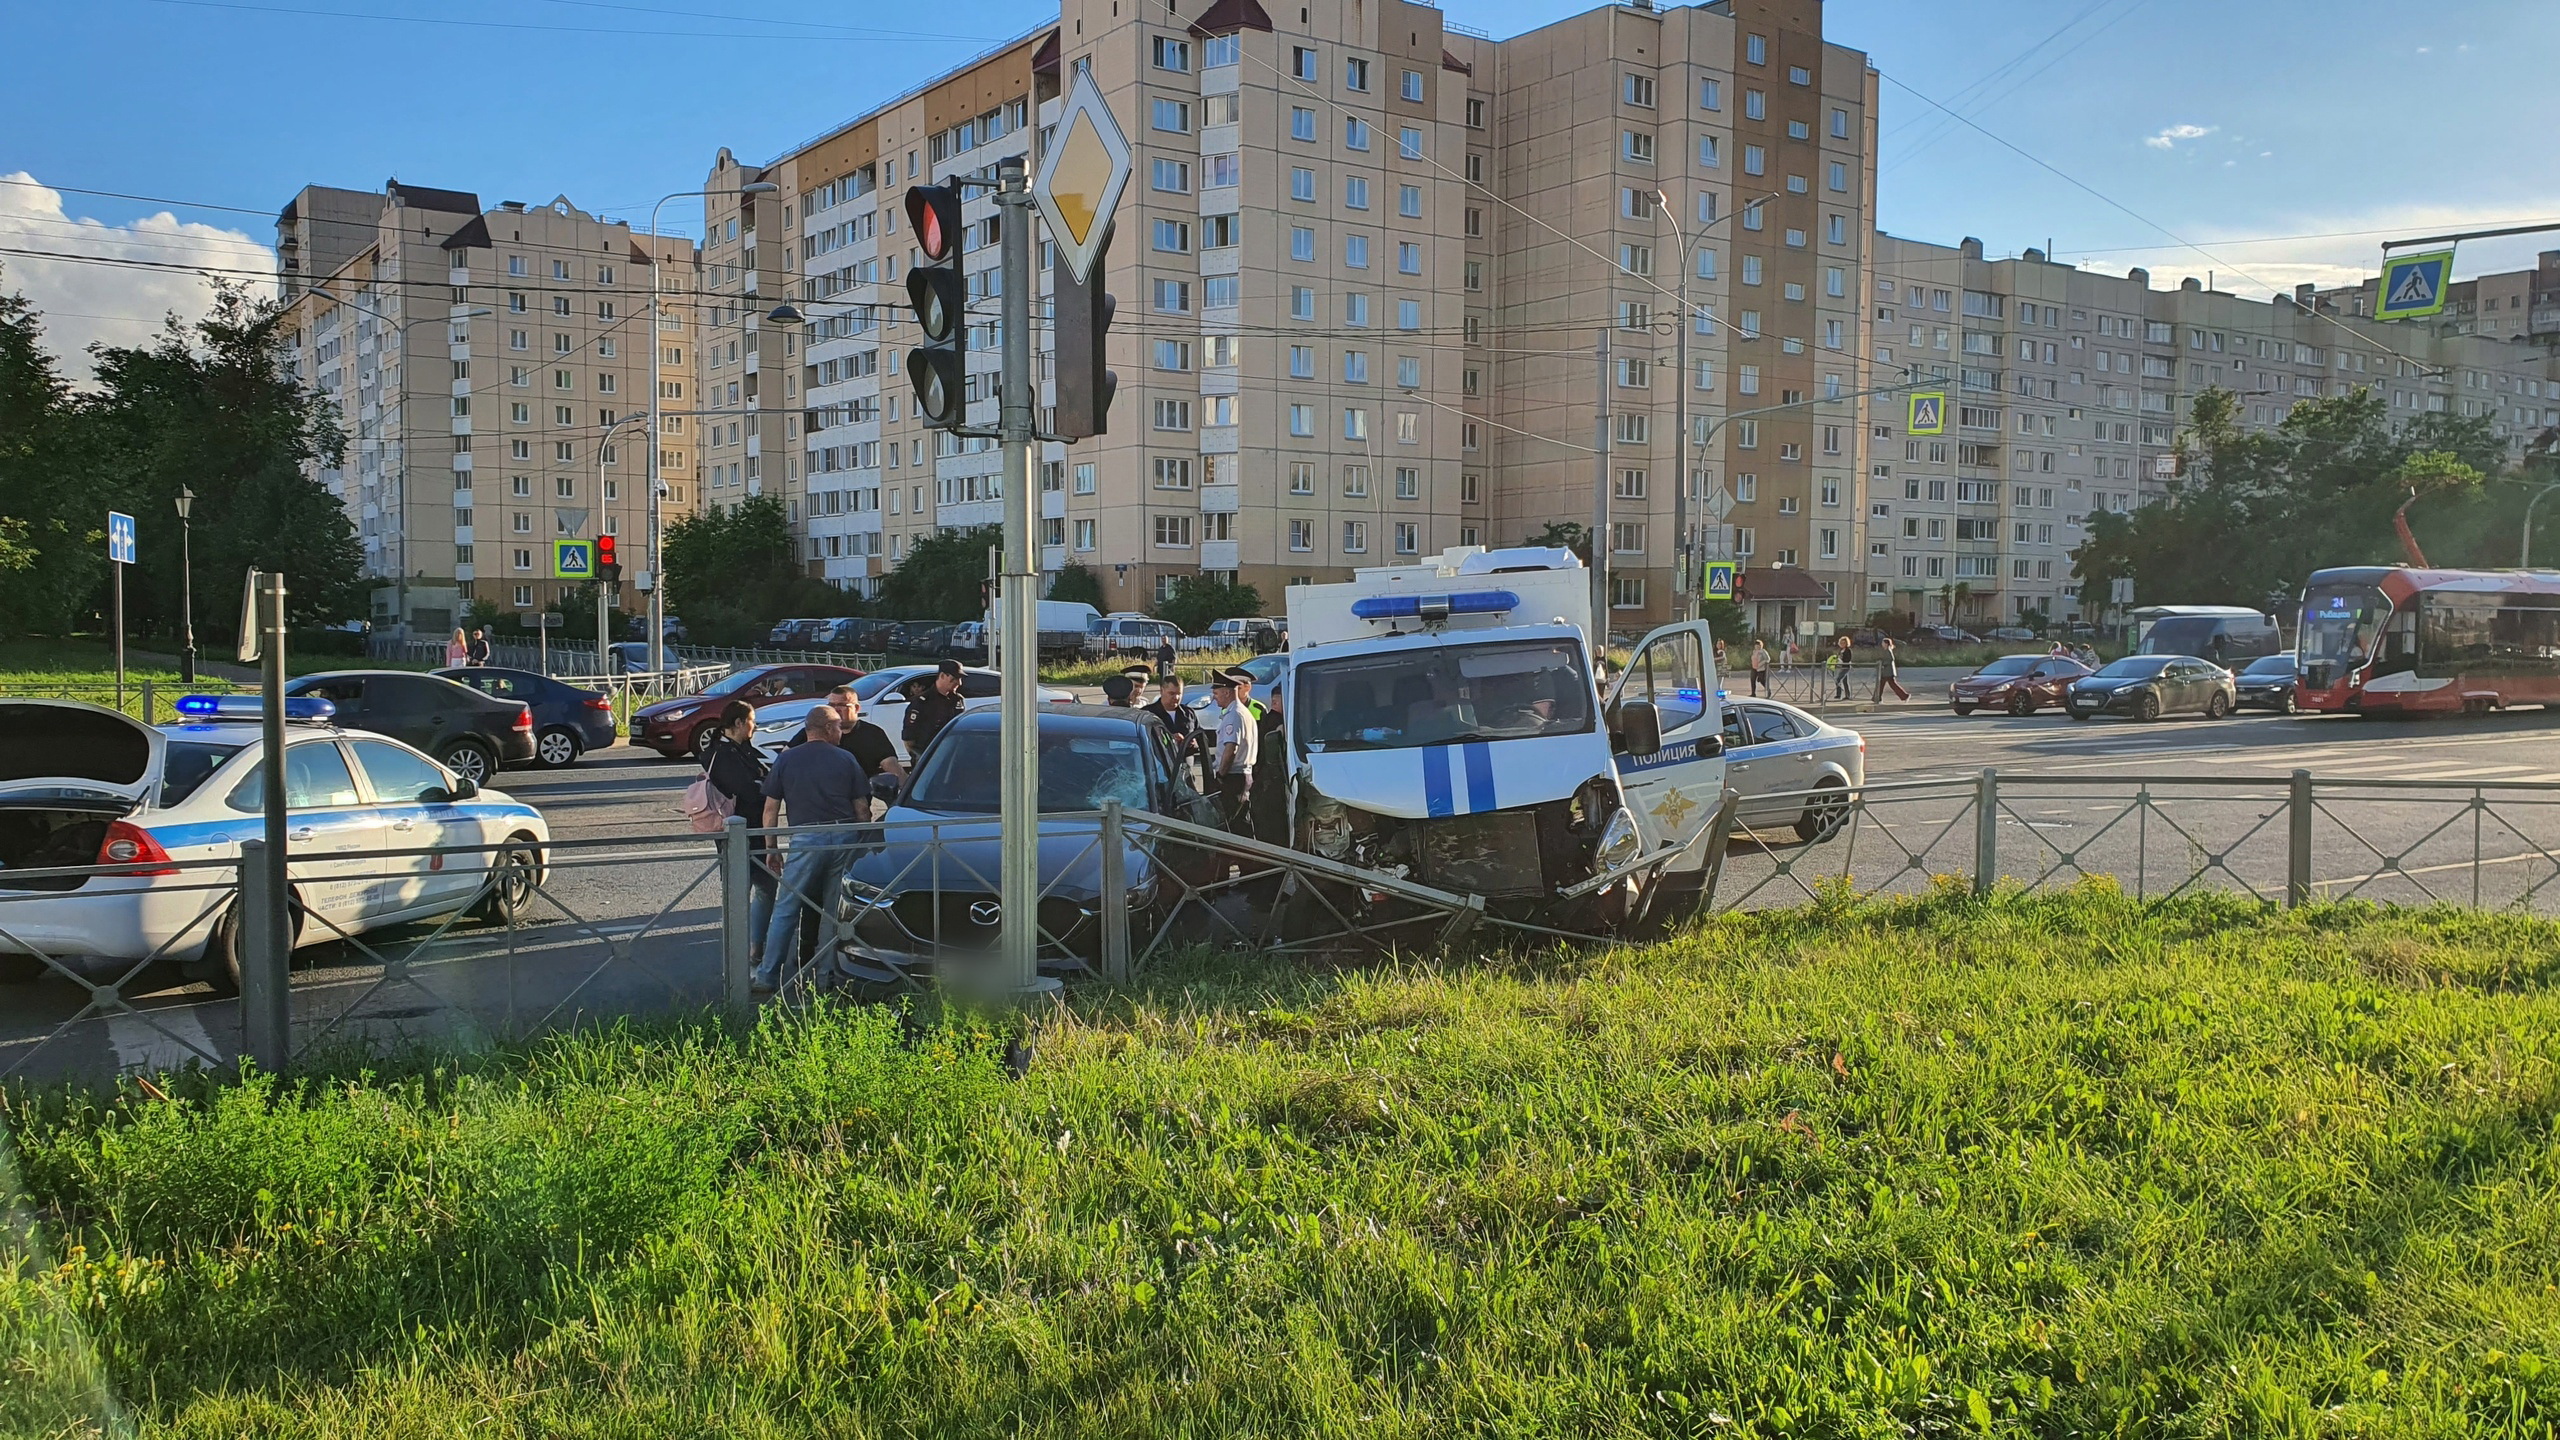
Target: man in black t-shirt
867, 743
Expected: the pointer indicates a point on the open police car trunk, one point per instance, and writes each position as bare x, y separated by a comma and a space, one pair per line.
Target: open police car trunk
68, 772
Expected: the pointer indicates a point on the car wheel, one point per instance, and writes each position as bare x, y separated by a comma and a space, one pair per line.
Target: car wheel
2146, 707
470, 760
2216, 705
555, 748
1962, 709
514, 873
2083, 714
2022, 703
1824, 812
2285, 704
220, 966
703, 735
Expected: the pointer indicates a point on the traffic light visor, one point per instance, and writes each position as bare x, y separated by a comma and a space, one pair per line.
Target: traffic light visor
933, 216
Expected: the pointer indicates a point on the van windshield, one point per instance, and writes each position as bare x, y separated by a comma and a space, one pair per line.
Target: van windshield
1409, 698
2196, 635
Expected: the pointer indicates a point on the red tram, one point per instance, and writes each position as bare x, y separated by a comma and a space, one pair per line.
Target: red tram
2399, 640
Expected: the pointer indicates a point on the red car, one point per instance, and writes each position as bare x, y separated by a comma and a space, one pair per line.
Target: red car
682, 728
2019, 684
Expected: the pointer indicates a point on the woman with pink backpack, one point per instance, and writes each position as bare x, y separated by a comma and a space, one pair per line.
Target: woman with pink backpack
732, 783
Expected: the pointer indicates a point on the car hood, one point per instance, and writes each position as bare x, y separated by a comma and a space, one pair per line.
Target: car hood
2095, 685
1988, 682
1426, 781
1070, 861
663, 708
52, 746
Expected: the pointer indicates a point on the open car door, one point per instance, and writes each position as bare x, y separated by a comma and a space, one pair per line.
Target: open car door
1673, 791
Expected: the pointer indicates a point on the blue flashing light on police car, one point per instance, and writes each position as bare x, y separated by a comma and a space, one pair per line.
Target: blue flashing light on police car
1434, 607
249, 707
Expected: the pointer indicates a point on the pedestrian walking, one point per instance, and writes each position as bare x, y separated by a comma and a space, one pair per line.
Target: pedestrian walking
1889, 673
816, 783
1838, 660
931, 704
1164, 657
1759, 667
1238, 734
457, 651
734, 770
1790, 659
481, 650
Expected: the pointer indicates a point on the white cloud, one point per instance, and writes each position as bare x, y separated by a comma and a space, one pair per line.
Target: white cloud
2331, 248
84, 303
2169, 138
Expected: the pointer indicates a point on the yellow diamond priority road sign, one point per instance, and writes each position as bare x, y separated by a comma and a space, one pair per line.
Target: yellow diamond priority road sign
1082, 176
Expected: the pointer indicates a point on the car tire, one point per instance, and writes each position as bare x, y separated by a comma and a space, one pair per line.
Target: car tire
219, 967
2147, 707
2285, 703
469, 759
2022, 703
703, 735
1824, 812
2082, 714
2216, 706
555, 749
516, 873
1962, 709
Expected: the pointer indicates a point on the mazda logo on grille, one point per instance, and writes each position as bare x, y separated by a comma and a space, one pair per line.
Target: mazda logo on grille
986, 912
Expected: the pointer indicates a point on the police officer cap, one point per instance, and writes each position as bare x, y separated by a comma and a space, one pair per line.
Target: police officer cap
949, 667
1137, 674
1222, 679
1236, 675
1117, 689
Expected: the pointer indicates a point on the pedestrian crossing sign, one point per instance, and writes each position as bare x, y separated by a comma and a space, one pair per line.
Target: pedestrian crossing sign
2414, 285
573, 559
1719, 584
1928, 413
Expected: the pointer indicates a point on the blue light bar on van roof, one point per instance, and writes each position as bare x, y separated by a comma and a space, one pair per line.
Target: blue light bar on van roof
1435, 607
249, 707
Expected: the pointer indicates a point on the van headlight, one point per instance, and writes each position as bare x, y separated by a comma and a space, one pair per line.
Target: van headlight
1619, 842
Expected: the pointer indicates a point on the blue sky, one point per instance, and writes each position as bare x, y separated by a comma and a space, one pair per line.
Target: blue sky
2288, 138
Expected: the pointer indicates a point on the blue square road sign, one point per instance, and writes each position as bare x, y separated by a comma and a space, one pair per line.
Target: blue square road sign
119, 538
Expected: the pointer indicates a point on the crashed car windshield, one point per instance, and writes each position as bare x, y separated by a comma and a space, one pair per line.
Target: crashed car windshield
1077, 772
1409, 698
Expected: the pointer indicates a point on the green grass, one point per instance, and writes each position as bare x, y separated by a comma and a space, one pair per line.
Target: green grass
1194, 666
2049, 1166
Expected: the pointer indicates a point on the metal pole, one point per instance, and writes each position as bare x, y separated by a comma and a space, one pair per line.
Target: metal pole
1115, 894
1680, 604
603, 625
117, 579
265, 969
2297, 850
736, 894
186, 601
1986, 832
265, 1019
657, 582
2524, 557
1019, 799
1600, 508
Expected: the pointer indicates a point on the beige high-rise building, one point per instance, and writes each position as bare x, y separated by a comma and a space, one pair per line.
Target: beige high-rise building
1361, 270
491, 369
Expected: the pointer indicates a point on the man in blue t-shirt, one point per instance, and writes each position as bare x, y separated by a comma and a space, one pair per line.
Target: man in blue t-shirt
813, 784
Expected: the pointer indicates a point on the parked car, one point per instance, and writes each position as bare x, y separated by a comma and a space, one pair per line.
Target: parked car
2147, 687
629, 657
637, 628
883, 694
1127, 633
681, 728
871, 637
2268, 682
968, 642
912, 637
901, 914
2019, 684
2018, 633
567, 721
471, 734
1790, 768
782, 631
92, 787
1944, 635
1249, 632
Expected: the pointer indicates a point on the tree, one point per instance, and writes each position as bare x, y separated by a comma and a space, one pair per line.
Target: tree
734, 570
1725, 621
1565, 534
48, 505
944, 576
1076, 582
1198, 601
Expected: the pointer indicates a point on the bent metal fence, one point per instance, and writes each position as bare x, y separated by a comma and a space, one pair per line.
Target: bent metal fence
446, 945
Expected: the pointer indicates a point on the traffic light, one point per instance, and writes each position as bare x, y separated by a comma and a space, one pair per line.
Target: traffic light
1081, 323
608, 568
941, 301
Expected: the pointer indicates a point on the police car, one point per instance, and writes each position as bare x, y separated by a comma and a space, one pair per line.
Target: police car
83, 785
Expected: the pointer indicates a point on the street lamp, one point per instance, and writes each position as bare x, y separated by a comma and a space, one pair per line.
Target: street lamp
186, 586
657, 576
1680, 543
2524, 559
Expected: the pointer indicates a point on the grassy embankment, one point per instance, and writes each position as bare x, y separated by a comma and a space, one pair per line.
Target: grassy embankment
2036, 1167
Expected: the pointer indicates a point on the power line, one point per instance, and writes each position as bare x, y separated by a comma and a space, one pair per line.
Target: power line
875, 37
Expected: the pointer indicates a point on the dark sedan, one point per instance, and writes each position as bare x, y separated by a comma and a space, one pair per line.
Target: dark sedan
2019, 684
2268, 683
896, 921
469, 733
682, 728
2147, 687
567, 721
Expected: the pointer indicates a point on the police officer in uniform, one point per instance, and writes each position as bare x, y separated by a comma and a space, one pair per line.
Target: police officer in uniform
931, 704
1270, 769
1231, 764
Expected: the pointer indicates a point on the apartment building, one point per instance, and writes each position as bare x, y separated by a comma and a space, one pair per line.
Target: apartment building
492, 379
2067, 391
2507, 305
1361, 270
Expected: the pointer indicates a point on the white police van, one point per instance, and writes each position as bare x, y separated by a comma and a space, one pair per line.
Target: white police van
1444, 724
81, 785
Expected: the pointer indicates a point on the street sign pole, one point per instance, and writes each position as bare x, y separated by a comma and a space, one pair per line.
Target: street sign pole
119, 555
117, 589
265, 1012
1018, 593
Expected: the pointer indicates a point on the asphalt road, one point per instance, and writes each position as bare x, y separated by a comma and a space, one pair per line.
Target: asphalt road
628, 920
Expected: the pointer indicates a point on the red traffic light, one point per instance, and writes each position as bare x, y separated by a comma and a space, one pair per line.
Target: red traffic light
933, 216
604, 551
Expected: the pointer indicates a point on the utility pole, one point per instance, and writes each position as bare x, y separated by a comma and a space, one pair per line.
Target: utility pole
1018, 592
1599, 540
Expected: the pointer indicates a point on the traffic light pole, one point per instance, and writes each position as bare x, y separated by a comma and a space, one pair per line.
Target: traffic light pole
1018, 581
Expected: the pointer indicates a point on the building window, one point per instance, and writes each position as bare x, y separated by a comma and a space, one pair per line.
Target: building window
1411, 86
1409, 143
1355, 537
1302, 474
1173, 532
1355, 133
1302, 123
1408, 538
1172, 54
1302, 535
1172, 117
1636, 90
1355, 74
1173, 472
1302, 183
1626, 592
1637, 146
1302, 62
1355, 482
1409, 201
1475, 113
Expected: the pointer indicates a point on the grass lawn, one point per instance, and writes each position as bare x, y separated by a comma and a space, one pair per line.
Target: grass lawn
2050, 1166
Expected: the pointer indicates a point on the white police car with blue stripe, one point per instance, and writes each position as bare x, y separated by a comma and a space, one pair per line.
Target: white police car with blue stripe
81, 785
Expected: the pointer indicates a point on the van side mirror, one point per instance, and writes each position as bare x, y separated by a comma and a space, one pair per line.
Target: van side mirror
1639, 728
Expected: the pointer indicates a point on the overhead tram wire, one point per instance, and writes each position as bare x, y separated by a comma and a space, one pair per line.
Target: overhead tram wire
886, 37
2011, 87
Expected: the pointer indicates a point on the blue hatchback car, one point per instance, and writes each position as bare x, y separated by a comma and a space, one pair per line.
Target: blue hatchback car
567, 721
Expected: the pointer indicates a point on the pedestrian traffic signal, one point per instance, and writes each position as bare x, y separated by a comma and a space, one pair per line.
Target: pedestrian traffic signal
1082, 323
608, 568
941, 301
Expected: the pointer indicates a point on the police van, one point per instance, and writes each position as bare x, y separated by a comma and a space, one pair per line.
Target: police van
1445, 724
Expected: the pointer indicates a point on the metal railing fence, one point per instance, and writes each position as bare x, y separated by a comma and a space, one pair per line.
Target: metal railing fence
508, 940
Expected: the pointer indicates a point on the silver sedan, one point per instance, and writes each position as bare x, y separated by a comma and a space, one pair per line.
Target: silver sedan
1791, 768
